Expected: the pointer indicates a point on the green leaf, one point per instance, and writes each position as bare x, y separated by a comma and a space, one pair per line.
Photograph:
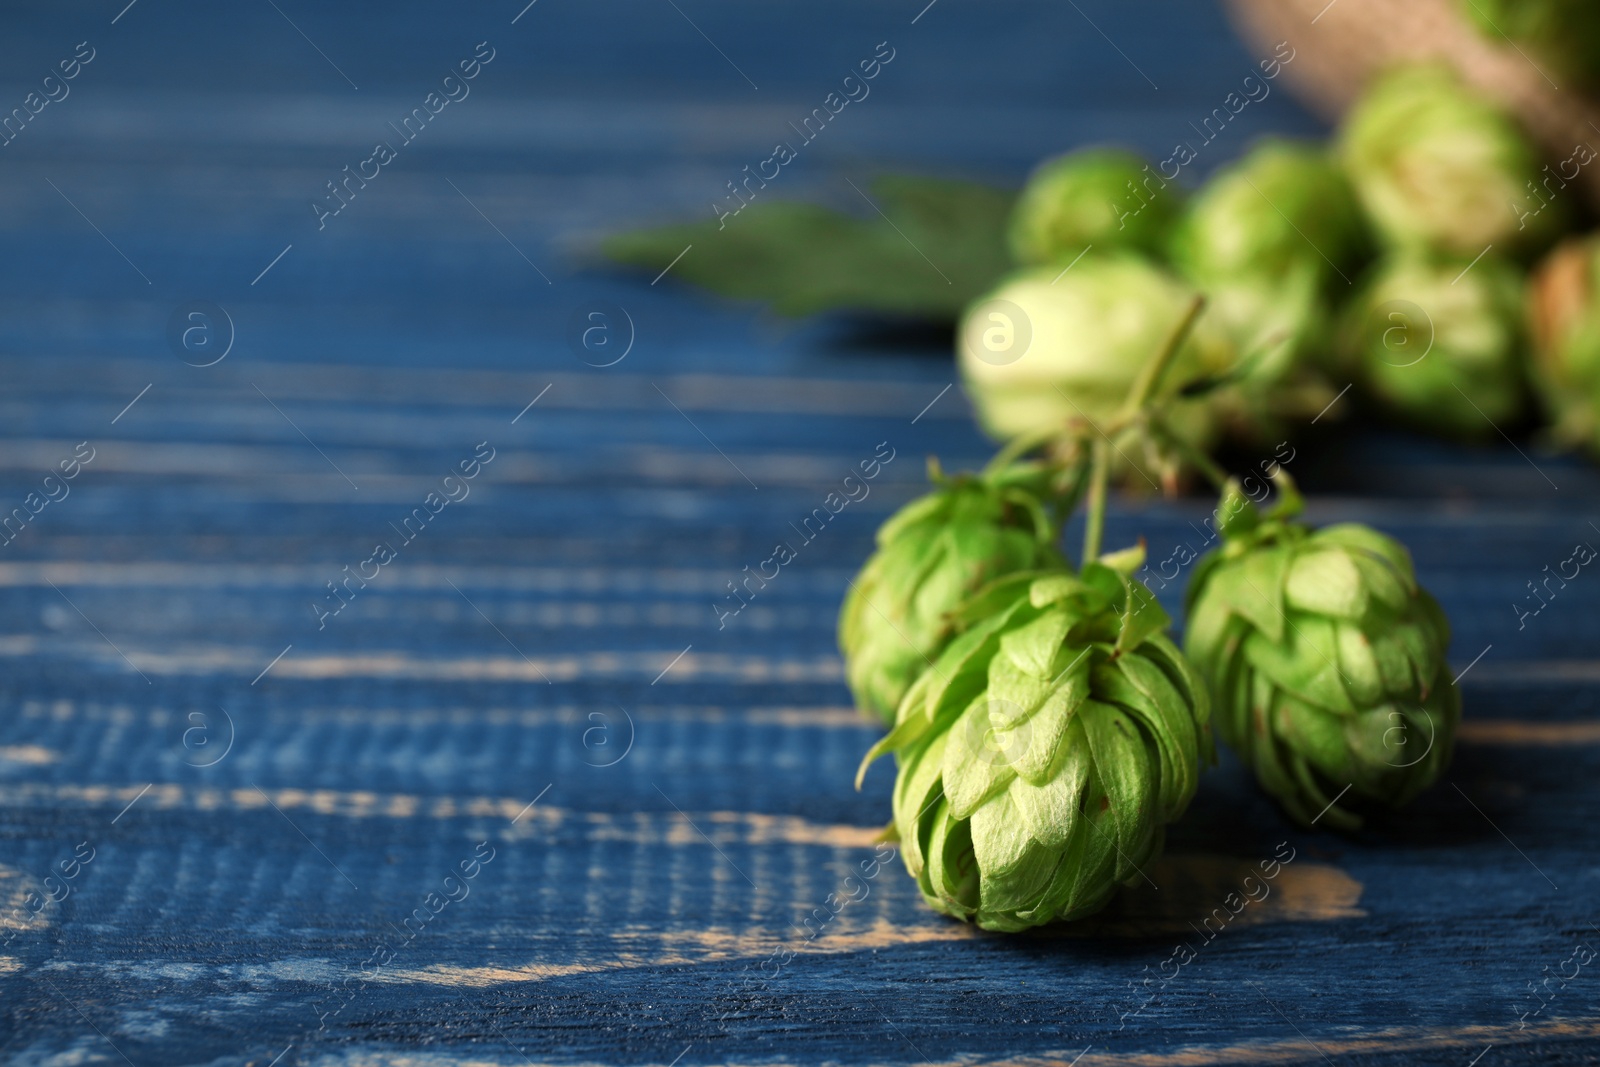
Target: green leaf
1393, 658
1107, 588
1182, 674
1259, 594
1046, 590
1097, 864
1366, 539
925, 508
1318, 736
1125, 560
937, 246
1059, 901
1384, 584
1140, 688
961, 672
992, 599
907, 731
1359, 665
1048, 727
916, 789
953, 865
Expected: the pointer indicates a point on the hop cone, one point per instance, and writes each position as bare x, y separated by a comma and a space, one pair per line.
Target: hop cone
1264, 239
1440, 344
1325, 660
1438, 167
1046, 347
1564, 321
1104, 197
932, 554
1042, 755
1283, 206
1565, 33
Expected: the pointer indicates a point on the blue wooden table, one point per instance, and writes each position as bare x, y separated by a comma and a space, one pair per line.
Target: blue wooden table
368, 693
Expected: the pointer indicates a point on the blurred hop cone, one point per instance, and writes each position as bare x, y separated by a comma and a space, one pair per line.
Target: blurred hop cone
1043, 754
1439, 342
932, 554
1514, 52
1563, 33
1053, 345
1439, 167
1325, 660
1267, 239
1564, 320
1282, 206
1103, 198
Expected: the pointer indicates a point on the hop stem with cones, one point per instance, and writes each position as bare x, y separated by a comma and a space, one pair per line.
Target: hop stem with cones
1045, 727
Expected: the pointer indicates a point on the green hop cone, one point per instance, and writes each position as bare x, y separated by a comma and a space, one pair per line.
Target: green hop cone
1325, 661
1441, 343
1279, 326
932, 554
1282, 207
1564, 321
1048, 346
1104, 197
1266, 240
1564, 33
1438, 167
1045, 751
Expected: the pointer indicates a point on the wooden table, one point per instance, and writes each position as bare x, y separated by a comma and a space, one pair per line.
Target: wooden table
509, 794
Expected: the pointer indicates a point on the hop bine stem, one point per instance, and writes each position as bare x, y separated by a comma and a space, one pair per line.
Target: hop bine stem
1020, 446
1151, 374
1133, 410
1095, 520
1197, 457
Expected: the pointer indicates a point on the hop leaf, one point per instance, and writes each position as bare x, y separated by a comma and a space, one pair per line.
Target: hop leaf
932, 554
1045, 750
1326, 664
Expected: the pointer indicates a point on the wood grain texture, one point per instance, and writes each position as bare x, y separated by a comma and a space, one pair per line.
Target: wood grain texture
256, 799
